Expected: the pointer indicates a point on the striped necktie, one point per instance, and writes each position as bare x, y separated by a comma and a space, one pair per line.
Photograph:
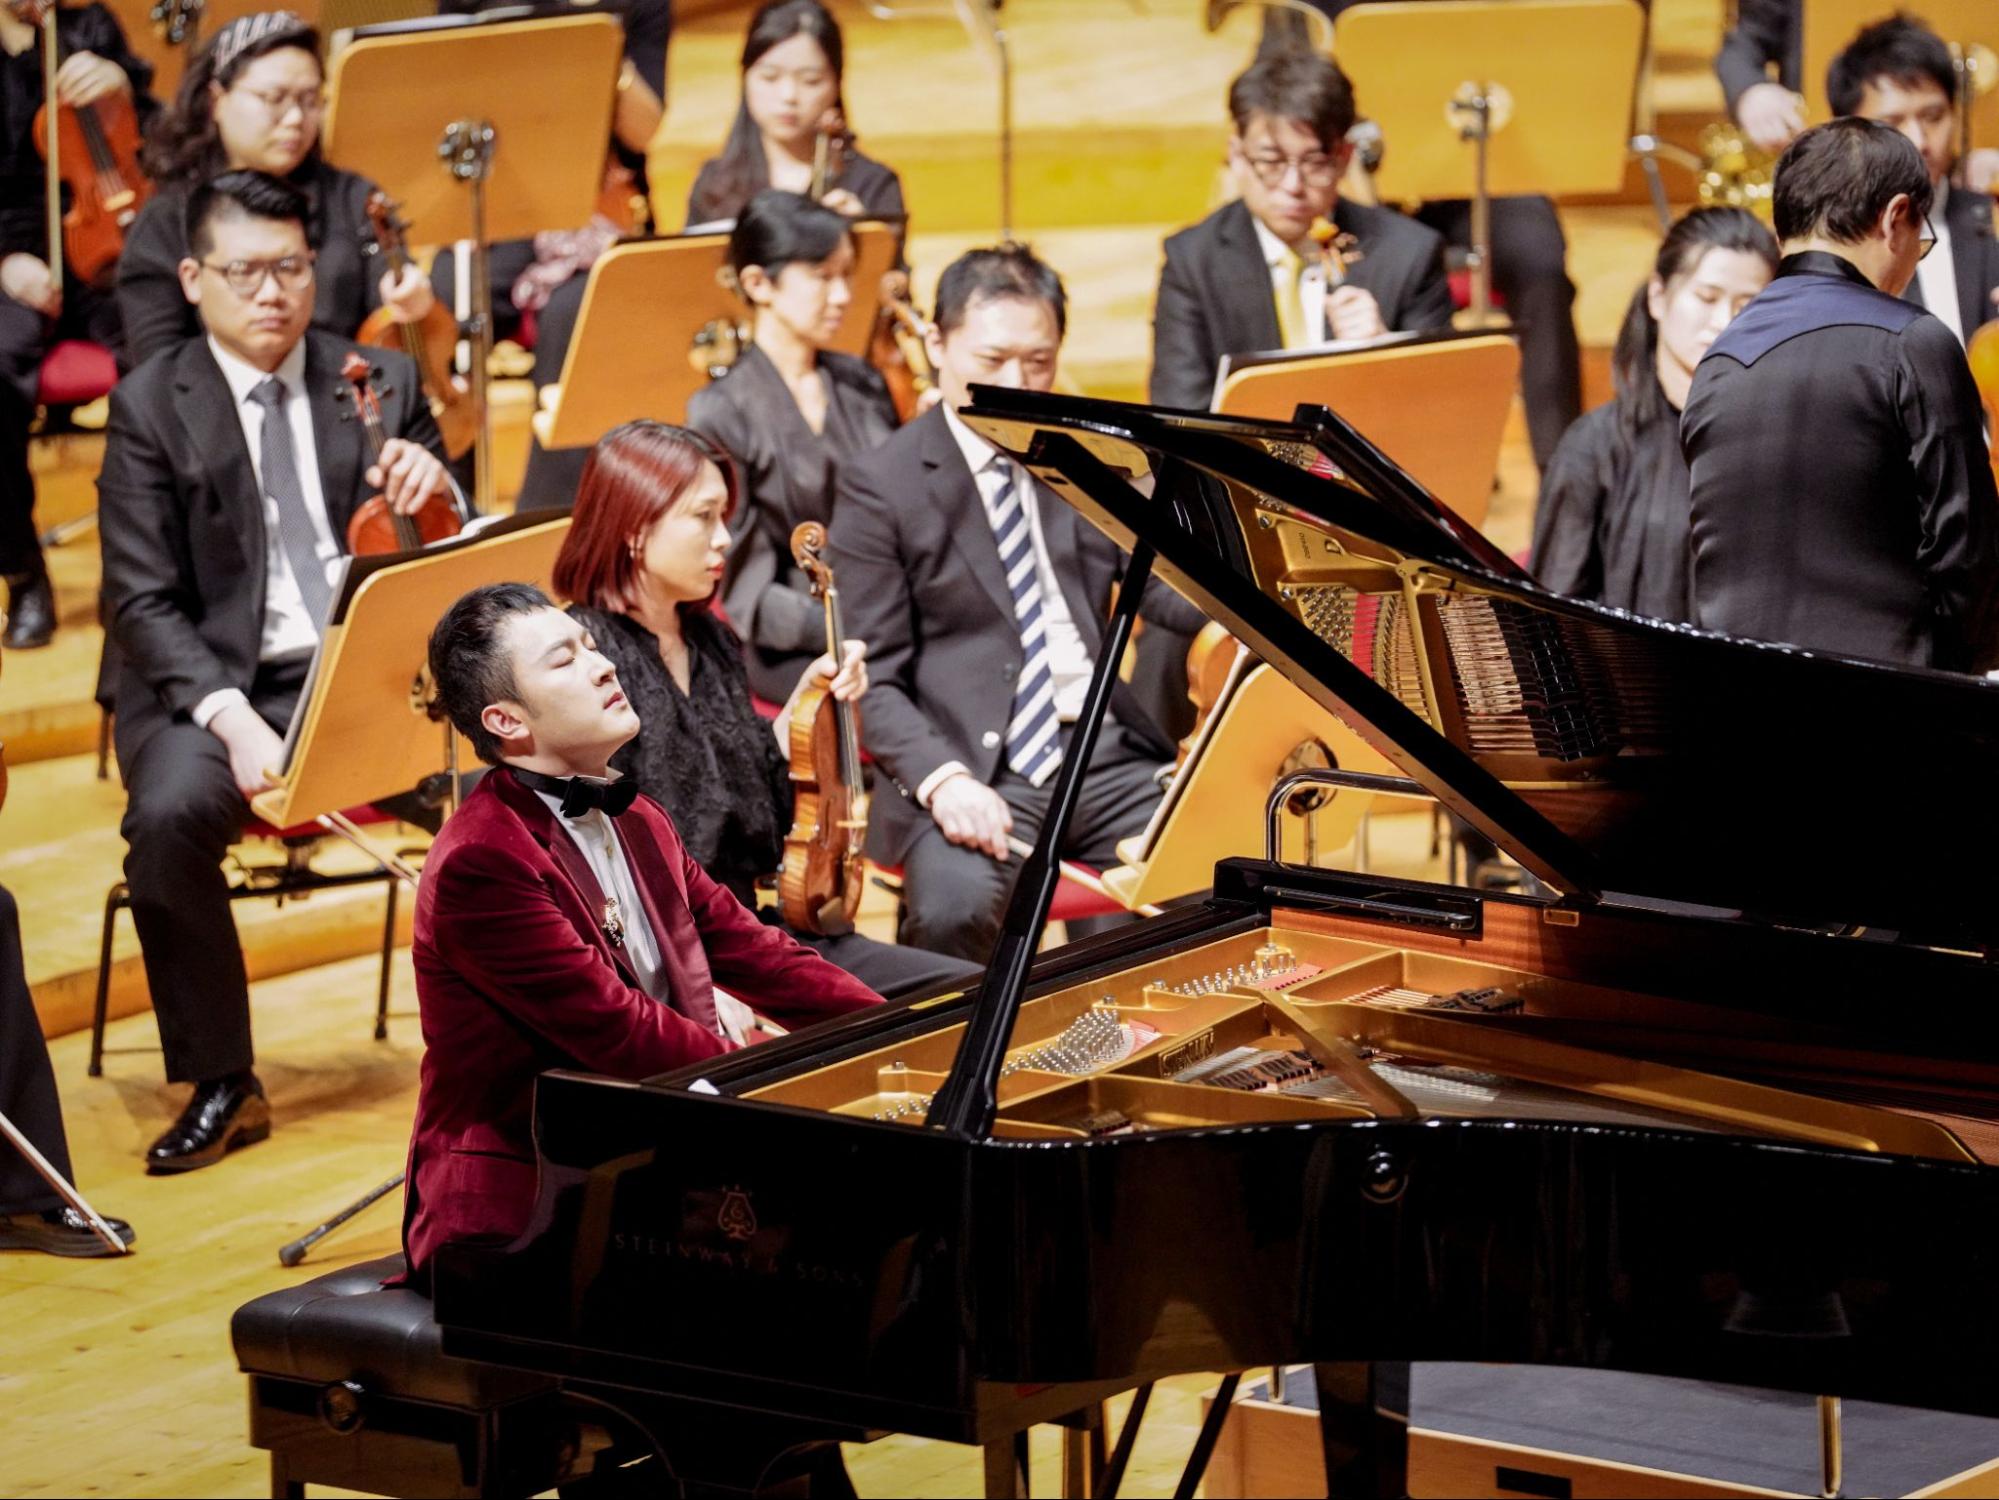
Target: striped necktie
278, 463
1033, 734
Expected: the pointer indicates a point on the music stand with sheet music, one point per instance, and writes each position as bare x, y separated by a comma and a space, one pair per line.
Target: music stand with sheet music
670, 288
482, 129
363, 730
1829, 25
1483, 98
1435, 403
1262, 728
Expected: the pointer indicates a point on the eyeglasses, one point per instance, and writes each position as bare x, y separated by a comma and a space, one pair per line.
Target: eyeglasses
1926, 241
1318, 171
246, 277
309, 101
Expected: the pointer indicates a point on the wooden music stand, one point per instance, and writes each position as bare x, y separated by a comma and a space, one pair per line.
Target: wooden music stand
1481, 98
1830, 24
1214, 808
1436, 405
482, 131
362, 732
669, 288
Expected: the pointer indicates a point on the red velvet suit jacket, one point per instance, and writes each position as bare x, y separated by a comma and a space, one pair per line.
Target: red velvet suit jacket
515, 976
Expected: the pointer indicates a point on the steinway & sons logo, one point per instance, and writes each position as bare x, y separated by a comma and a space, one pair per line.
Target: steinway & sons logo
719, 1230
736, 1218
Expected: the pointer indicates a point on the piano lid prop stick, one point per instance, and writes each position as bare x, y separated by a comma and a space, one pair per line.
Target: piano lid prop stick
1081, 875
64, 1191
292, 1254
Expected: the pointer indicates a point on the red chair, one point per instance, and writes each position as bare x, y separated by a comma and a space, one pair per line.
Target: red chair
1460, 280
292, 880
75, 372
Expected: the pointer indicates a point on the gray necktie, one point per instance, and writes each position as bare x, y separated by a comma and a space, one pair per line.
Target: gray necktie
281, 483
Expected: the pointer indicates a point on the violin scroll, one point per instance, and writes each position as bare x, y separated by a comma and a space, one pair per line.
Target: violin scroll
808, 550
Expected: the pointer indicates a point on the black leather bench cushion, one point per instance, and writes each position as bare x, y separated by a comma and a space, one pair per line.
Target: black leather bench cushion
346, 1326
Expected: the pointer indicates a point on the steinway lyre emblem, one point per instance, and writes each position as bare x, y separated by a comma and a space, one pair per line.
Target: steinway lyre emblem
736, 1218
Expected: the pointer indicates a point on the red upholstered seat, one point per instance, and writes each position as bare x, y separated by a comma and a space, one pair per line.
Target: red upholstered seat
75, 372
361, 817
1461, 291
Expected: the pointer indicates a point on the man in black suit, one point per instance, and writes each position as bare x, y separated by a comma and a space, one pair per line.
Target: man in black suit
231, 468
1249, 277
1899, 73
1840, 493
982, 599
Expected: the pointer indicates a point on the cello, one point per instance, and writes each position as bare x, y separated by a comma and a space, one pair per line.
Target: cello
376, 526
819, 885
91, 149
430, 341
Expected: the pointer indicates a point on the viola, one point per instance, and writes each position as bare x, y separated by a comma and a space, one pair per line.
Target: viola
896, 347
820, 884
93, 151
376, 526
431, 341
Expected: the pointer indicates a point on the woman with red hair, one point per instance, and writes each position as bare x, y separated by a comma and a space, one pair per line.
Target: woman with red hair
645, 552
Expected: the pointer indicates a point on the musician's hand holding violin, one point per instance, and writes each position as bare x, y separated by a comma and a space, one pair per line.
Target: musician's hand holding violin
408, 475
254, 747
84, 78
1352, 313
26, 279
407, 295
846, 685
845, 201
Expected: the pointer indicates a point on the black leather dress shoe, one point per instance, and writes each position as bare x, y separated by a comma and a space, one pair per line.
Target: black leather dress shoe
31, 613
223, 1114
59, 1231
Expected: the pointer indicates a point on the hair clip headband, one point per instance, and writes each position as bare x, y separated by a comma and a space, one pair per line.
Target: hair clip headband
245, 31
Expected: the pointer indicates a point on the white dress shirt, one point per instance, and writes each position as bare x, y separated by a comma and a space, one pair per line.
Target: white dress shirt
1069, 661
288, 629
1936, 273
604, 853
1311, 282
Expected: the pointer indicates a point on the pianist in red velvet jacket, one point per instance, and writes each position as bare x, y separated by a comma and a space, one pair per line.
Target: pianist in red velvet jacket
526, 959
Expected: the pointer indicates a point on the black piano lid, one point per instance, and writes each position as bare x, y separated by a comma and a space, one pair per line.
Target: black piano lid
1627, 762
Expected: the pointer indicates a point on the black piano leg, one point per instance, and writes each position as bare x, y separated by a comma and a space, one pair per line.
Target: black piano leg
1364, 1427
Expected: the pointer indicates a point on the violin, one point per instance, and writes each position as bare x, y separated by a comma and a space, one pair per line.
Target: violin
93, 151
832, 148
1211, 660
1338, 250
376, 526
896, 347
819, 887
431, 341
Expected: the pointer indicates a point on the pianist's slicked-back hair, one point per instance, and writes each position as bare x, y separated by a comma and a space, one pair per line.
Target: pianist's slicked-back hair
1837, 179
469, 665
1294, 85
1008, 270
1900, 49
239, 195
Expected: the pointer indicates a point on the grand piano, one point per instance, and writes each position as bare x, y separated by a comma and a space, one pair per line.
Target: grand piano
1718, 1098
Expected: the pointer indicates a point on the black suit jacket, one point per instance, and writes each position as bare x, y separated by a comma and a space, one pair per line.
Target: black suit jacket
1975, 253
921, 583
1215, 299
1765, 32
182, 521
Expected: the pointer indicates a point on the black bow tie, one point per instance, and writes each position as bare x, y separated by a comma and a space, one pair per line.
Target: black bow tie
579, 795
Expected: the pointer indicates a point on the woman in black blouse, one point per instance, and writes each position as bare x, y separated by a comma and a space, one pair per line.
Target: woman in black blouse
642, 559
793, 60
252, 98
789, 412
1613, 524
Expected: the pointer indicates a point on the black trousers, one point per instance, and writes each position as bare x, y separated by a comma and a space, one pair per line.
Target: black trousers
27, 1082
954, 897
1530, 270
25, 337
891, 970
554, 473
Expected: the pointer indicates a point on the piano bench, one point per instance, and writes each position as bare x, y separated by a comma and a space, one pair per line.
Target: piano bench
349, 1386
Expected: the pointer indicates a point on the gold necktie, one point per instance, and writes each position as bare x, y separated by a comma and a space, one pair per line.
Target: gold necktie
1291, 302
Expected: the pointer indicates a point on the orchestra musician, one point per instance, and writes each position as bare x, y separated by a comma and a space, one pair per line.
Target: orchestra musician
251, 100
1250, 277
34, 316
794, 61
790, 411
230, 473
1612, 522
982, 598
561, 922
1841, 496
1899, 73
652, 524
